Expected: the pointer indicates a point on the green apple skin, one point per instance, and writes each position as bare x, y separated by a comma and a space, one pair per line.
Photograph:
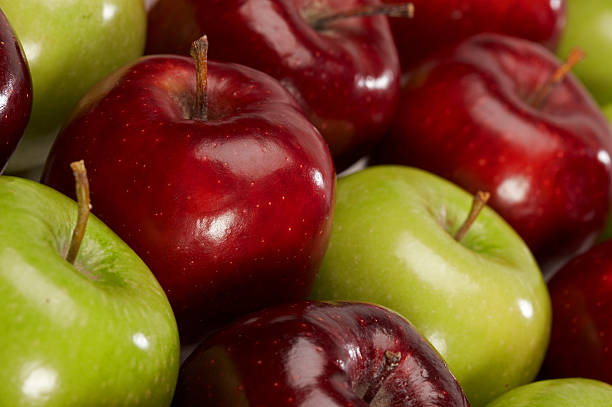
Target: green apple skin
589, 27
481, 303
70, 45
558, 393
100, 333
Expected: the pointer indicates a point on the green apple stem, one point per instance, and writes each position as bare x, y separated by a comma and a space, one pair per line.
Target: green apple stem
389, 364
84, 205
542, 93
199, 53
405, 10
480, 201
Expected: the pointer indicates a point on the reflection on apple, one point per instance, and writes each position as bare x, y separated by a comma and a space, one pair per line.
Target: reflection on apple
481, 302
97, 327
318, 354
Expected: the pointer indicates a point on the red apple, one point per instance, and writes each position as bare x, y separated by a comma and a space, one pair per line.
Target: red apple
581, 337
438, 23
344, 73
485, 115
318, 354
15, 91
231, 212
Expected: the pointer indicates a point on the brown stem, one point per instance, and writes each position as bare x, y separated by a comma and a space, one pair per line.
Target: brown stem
84, 205
480, 201
199, 53
390, 10
542, 93
389, 364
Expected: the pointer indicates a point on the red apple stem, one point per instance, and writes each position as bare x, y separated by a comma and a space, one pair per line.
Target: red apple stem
478, 204
405, 10
542, 93
199, 53
389, 364
84, 205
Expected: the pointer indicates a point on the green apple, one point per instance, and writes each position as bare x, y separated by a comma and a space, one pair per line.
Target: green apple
558, 393
70, 45
481, 302
99, 333
589, 27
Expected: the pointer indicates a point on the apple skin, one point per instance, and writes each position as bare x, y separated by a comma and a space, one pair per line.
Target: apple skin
346, 77
231, 215
588, 27
440, 23
482, 304
101, 330
70, 45
581, 336
316, 354
464, 116
607, 232
558, 393
15, 91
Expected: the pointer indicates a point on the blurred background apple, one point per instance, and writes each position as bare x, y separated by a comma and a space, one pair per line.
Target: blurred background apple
69, 45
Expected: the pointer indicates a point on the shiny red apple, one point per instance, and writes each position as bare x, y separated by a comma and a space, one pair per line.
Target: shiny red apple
232, 212
15, 91
344, 72
581, 337
439, 23
485, 115
318, 354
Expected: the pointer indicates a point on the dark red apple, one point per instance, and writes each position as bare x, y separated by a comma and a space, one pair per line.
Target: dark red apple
232, 213
581, 337
438, 23
485, 115
318, 354
344, 73
15, 91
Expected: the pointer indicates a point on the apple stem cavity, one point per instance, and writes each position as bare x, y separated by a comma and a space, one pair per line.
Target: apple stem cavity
405, 10
480, 201
84, 205
542, 93
390, 362
199, 53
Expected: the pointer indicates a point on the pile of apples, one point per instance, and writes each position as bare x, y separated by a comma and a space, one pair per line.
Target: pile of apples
458, 259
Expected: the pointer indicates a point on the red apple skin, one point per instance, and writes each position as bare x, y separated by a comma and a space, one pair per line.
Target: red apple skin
464, 116
439, 23
581, 337
15, 92
231, 214
346, 77
315, 354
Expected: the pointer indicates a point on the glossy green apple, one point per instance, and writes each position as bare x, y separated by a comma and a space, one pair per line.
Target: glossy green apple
589, 27
482, 303
69, 45
558, 393
99, 333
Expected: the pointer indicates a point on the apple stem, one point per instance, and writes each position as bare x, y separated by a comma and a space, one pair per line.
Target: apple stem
84, 205
389, 364
539, 97
390, 10
199, 53
479, 202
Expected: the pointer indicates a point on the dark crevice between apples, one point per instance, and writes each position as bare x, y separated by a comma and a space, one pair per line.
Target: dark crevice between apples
321, 21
